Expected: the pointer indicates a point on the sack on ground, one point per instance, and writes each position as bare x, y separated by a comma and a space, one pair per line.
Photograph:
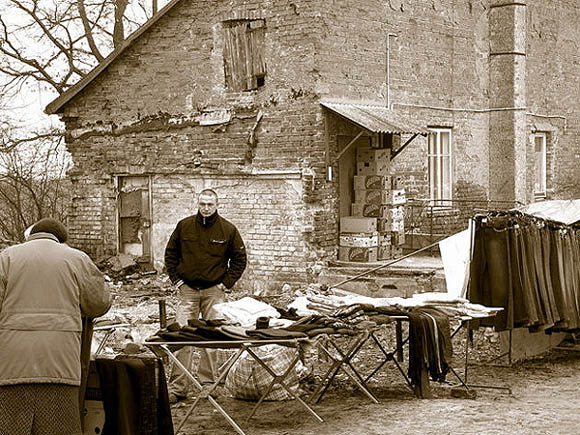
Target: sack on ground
248, 380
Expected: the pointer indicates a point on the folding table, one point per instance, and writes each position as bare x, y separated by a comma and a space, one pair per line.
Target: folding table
341, 358
423, 390
167, 348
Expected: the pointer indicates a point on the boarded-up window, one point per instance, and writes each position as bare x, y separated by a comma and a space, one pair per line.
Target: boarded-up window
244, 63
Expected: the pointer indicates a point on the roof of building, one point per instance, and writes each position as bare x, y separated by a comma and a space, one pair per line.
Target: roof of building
377, 119
57, 104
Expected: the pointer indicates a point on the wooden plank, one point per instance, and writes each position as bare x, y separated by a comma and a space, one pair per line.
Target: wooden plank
86, 340
423, 389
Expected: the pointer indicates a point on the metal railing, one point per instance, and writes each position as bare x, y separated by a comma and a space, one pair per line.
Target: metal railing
427, 221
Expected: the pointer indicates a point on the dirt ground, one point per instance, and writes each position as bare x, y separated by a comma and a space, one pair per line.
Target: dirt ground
543, 396
544, 399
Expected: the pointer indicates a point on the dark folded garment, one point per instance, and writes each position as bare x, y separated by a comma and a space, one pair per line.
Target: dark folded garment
274, 333
207, 333
317, 331
235, 332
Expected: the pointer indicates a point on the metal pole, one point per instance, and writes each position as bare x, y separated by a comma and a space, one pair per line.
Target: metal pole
385, 265
388, 69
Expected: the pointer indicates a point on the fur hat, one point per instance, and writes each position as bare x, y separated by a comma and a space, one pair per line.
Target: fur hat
52, 226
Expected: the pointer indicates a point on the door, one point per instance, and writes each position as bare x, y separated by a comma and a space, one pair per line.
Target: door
134, 206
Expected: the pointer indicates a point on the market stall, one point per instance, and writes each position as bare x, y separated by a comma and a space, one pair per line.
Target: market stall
338, 325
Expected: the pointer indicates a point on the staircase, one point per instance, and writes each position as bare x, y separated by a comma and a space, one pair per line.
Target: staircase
417, 274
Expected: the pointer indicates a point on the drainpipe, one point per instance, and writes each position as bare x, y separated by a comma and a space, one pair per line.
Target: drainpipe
388, 68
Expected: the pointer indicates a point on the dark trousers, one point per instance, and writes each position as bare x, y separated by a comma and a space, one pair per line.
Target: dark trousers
490, 282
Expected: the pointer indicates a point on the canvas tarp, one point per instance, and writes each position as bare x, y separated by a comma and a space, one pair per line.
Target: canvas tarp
566, 211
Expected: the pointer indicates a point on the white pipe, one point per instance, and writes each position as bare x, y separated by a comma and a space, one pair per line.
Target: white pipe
388, 68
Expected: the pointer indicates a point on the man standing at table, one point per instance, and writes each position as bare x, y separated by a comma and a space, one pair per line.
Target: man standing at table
204, 258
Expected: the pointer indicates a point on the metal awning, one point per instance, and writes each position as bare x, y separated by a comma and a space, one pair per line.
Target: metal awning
376, 119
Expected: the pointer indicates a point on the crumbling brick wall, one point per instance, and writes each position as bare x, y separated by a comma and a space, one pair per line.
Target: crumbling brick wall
162, 110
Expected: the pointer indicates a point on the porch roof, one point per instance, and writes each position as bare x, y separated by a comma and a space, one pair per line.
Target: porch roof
376, 119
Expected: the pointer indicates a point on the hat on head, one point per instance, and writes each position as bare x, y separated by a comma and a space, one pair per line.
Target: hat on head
52, 226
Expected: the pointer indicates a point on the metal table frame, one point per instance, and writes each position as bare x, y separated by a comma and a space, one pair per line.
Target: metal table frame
341, 358
400, 343
241, 346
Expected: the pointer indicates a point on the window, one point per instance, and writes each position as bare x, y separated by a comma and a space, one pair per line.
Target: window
244, 63
540, 164
439, 161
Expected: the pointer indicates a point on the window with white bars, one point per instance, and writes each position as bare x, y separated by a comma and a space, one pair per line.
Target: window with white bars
540, 152
439, 156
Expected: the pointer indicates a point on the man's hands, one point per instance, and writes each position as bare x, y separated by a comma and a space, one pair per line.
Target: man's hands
220, 286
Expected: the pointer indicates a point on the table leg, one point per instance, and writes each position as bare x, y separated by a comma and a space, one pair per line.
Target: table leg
280, 380
344, 358
216, 405
389, 356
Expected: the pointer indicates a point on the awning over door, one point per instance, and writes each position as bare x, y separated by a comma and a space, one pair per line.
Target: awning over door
376, 119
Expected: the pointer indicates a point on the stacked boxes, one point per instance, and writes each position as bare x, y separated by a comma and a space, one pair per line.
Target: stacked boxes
359, 239
375, 229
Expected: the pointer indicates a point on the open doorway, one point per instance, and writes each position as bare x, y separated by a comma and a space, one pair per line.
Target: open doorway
134, 216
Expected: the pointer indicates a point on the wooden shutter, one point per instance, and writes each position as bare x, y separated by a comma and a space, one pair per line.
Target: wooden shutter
244, 55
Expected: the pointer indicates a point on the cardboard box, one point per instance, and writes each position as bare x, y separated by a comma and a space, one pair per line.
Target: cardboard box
389, 252
367, 154
384, 224
364, 209
370, 196
357, 254
395, 197
362, 182
380, 167
396, 251
398, 238
396, 182
385, 239
387, 225
357, 224
397, 212
359, 240
384, 252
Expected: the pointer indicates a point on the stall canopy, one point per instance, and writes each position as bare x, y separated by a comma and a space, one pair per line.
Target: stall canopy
566, 211
376, 119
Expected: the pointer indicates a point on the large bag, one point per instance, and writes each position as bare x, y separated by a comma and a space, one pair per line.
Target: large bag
248, 380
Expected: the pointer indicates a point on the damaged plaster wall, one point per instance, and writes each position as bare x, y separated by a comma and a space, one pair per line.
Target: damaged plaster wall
438, 59
162, 110
267, 212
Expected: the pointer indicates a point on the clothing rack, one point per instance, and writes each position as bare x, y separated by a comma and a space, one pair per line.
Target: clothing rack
533, 275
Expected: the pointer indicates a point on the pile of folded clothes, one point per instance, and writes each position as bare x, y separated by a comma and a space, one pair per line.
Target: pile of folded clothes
240, 320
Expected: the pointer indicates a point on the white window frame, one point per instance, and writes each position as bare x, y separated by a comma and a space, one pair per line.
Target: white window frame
436, 187
540, 173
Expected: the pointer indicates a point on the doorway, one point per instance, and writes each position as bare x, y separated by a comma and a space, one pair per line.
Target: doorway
134, 218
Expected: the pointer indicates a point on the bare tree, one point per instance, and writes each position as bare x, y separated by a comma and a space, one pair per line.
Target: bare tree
51, 44
56, 42
32, 181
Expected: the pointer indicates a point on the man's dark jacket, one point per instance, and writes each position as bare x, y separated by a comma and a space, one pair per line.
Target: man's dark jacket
203, 252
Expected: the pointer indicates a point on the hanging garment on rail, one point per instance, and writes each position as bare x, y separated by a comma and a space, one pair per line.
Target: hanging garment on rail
528, 266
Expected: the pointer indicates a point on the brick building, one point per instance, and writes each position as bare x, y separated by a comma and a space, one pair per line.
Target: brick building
258, 99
